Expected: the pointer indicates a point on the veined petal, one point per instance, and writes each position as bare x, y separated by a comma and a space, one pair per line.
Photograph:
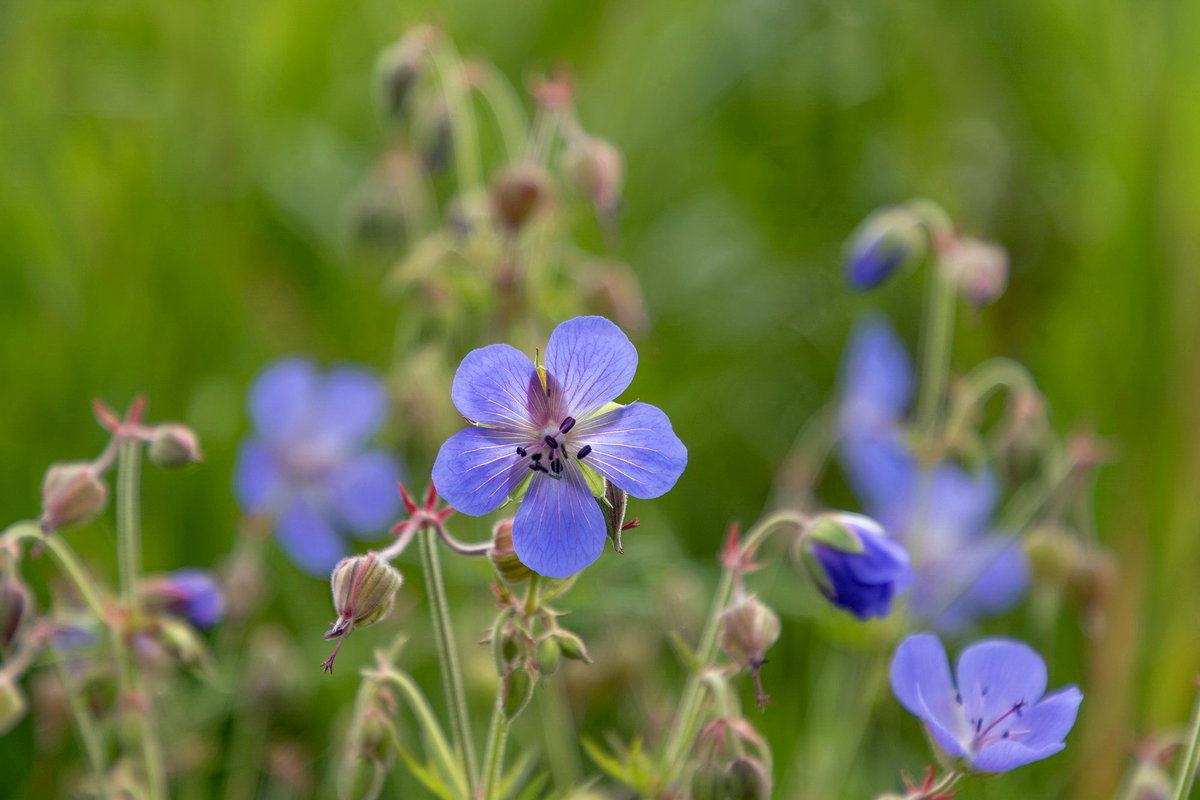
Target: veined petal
308, 539
920, 676
352, 404
496, 385
258, 478
635, 448
559, 528
363, 492
883, 472
1006, 755
877, 380
1050, 720
282, 398
593, 361
476, 468
994, 675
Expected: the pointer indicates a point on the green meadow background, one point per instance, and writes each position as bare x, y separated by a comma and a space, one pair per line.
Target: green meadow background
174, 183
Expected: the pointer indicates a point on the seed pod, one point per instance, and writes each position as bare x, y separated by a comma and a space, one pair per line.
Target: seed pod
748, 629
572, 646
71, 492
548, 656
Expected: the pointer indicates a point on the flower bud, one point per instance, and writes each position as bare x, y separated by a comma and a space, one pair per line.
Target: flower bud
364, 589
616, 501
855, 564
749, 780
886, 241
1054, 555
398, 68
572, 646
189, 593
748, 629
548, 655
503, 556
173, 446
16, 604
71, 492
710, 782
12, 704
979, 269
597, 169
518, 689
517, 194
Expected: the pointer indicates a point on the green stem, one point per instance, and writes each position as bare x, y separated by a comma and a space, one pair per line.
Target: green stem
683, 731
493, 758
85, 727
531, 597
463, 127
1191, 755
67, 561
443, 634
938, 336
428, 725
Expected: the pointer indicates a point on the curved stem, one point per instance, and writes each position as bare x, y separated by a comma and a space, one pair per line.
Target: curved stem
1191, 755
461, 547
938, 335
67, 561
428, 726
683, 731
443, 634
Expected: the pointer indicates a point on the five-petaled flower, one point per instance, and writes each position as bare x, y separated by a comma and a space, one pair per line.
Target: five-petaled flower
992, 717
548, 425
307, 464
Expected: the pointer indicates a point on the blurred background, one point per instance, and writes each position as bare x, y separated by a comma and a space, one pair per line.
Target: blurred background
177, 189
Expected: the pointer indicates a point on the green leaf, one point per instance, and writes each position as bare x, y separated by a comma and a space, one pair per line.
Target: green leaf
427, 774
607, 762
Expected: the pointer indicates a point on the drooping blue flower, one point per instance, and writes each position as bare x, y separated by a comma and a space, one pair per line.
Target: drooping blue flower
549, 426
883, 243
308, 465
941, 513
992, 717
864, 583
193, 594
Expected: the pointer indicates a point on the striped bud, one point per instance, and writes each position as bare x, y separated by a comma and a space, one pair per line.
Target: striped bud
71, 492
364, 589
503, 556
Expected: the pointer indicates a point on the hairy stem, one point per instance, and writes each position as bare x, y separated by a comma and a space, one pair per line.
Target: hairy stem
443, 634
493, 758
428, 725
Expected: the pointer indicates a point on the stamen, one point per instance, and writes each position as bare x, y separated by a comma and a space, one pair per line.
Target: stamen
556, 465
536, 467
536, 456
521, 452
567, 424
551, 442
583, 451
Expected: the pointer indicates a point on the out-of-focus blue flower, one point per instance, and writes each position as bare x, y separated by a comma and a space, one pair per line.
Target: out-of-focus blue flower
992, 716
308, 465
864, 582
942, 515
192, 594
884, 242
555, 423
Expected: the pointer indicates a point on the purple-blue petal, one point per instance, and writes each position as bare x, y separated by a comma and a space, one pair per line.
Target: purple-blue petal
994, 675
496, 385
872, 259
282, 398
308, 539
200, 598
920, 677
351, 405
364, 493
877, 380
593, 361
960, 505
1048, 722
259, 480
559, 528
635, 448
1005, 755
882, 559
883, 473
981, 578
477, 468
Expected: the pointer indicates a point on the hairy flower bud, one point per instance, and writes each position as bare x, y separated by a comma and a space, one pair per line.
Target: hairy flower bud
173, 445
502, 555
548, 656
71, 492
517, 194
597, 169
979, 269
364, 589
572, 646
12, 703
748, 629
16, 604
886, 241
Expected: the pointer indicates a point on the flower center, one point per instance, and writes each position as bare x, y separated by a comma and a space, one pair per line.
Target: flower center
996, 730
549, 454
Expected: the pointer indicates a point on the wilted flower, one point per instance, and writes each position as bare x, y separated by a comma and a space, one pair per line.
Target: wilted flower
940, 513
992, 716
555, 426
885, 241
307, 464
189, 593
860, 568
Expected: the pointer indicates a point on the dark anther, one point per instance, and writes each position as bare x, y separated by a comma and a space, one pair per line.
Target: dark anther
567, 424
521, 452
551, 442
536, 467
1005, 736
556, 465
958, 698
983, 691
979, 725
583, 451
536, 456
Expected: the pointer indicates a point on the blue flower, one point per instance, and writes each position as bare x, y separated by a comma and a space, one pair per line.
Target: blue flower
864, 583
992, 717
194, 595
884, 242
943, 513
552, 426
307, 465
